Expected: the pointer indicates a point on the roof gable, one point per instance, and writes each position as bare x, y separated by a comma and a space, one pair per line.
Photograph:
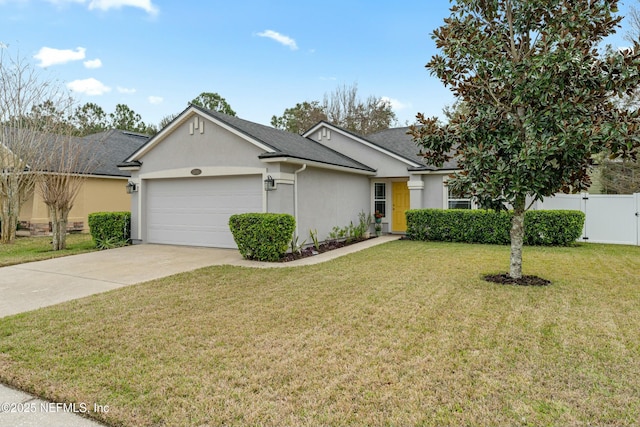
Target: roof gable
394, 142
367, 142
274, 142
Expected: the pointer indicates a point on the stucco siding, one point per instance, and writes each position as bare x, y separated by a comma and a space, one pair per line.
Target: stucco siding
214, 147
328, 198
95, 195
433, 194
385, 165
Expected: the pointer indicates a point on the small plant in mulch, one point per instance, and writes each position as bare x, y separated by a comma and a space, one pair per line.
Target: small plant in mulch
327, 246
505, 279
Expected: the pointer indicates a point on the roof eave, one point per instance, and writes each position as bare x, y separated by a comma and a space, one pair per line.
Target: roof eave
432, 171
130, 166
283, 158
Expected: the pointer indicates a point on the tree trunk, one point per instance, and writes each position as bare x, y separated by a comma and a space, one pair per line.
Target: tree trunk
53, 216
9, 220
59, 219
63, 220
517, 237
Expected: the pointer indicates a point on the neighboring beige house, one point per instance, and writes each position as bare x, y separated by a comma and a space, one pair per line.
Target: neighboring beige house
104, 190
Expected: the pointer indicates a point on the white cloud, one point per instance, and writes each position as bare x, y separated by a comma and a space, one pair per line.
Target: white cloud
93, 63
146, 5
280, 38
125, 90
63, 2
89, 86
395, 104
50, 56
155, 99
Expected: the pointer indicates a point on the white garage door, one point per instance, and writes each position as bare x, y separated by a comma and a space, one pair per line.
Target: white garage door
196, 211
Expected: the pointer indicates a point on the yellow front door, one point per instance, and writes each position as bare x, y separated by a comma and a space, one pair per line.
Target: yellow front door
401, 204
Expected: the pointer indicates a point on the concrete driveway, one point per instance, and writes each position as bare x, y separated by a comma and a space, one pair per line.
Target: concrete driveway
38, 284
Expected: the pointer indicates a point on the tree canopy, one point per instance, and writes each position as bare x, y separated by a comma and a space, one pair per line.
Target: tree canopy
213, 101
538, 97
343, 108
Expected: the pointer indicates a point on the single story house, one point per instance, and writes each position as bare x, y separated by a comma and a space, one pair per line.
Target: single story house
205, 166
104, 189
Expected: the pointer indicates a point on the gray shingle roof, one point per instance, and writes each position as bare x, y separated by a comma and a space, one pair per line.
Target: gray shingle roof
399, 142
287, 144
101, 157
113, 147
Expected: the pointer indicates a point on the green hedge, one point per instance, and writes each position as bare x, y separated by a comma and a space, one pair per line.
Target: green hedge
262, 236
110, 229
548, 228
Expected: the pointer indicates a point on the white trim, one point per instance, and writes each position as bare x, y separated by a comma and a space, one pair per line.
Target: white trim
141, 188
436, 172
129, 168
362, 141
185, 116
415, 185
295, 197
82, 175
283, 178
317, 165
206, 171
387, 191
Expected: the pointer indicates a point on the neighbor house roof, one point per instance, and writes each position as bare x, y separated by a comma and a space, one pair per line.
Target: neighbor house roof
106, 149
113, 147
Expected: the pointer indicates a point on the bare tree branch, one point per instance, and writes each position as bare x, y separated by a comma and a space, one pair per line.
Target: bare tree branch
23, 91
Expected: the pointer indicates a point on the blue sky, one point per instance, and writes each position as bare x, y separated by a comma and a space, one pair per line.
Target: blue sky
262, 56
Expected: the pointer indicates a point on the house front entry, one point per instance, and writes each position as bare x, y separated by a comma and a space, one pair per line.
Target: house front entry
401, 203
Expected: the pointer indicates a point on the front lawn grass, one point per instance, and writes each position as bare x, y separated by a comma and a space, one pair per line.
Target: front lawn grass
28, 249
406, 333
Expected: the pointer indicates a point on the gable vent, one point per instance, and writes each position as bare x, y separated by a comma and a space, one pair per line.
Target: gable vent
196, 124
324, 133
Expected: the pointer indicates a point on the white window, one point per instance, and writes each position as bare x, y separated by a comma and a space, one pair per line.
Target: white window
451, 202
380, 198
458, 203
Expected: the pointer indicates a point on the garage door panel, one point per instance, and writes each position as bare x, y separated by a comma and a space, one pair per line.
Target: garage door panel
196, 211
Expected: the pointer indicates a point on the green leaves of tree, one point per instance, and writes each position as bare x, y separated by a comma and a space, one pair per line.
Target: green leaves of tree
537, 96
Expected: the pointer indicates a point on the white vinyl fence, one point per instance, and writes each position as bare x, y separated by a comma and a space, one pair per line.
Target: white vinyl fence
609, 218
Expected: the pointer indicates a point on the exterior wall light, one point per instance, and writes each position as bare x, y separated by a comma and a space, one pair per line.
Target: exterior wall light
131, 187
269, 184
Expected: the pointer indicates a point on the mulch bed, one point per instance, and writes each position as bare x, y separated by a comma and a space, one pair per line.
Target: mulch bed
324, 247
505, 279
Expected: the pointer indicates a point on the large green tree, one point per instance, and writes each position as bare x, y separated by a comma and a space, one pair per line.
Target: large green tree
89, 118
538, 100
124, 118
300, 118
213, 101
343, 107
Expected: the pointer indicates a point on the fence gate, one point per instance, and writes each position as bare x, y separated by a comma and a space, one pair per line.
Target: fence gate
608, 218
